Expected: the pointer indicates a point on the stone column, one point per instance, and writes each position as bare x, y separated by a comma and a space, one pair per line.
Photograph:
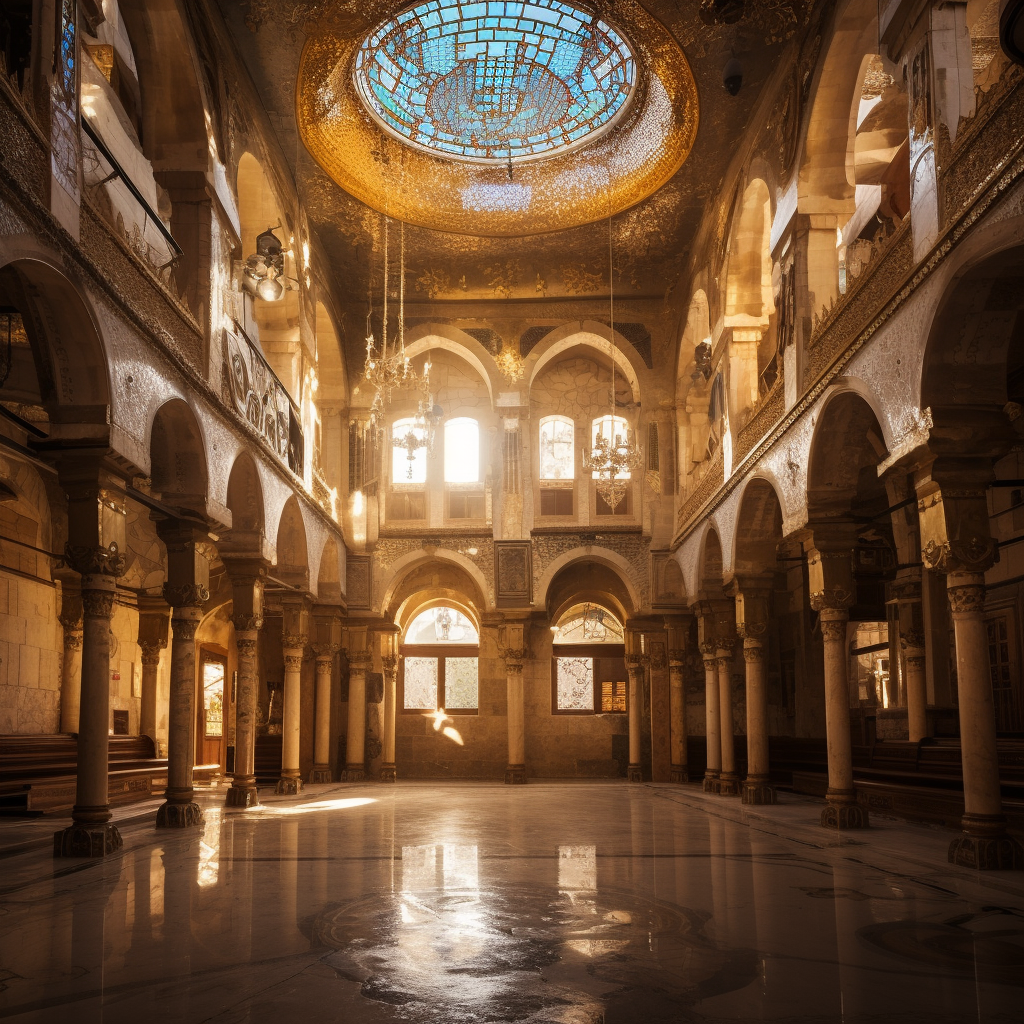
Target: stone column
677, 713
635, 671
752, 625
96, 536
247, 583
729, 779
153, 615
513, 651
955, 539
830, 575
321, 771
293, 646
389, 662
186, 591
712, 718
71, 668
907, 590
373, 750
359, 661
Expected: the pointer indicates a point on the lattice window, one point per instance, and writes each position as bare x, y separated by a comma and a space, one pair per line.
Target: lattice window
574, 687
557, 456
420, 684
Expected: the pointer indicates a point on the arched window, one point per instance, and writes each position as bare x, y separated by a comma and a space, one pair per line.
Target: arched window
610, 428
407, 467
439, 663
588, 671
556, 448
462, 451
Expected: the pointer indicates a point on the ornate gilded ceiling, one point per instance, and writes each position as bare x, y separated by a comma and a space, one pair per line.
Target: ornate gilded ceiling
362, 89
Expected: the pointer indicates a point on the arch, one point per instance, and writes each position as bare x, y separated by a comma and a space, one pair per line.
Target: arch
443, 577
748, 290
427, 337
292, 546
592, 581
69, 366
711, 564
826, 183
328, 587
417, 604
245, 500
626, 590
696, 331
594, 335
178, 468
758, 528
332, 369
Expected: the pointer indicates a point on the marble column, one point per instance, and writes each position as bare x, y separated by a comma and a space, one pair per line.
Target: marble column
677, 714
635, 671
907, 591
757, 787
712, 718
293, 646
984, 843
355, 745
512, 648
321, 771
92, 834
179, 809
729, 779
153, 616
71, 668
389, 662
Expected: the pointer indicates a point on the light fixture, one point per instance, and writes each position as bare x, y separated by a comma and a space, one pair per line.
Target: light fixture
612, 459
510, 364
264, 269
422, 431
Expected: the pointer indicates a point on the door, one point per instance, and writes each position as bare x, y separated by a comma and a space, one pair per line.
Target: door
210, 733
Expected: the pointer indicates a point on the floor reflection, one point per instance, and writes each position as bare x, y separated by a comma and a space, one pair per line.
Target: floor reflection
589, 904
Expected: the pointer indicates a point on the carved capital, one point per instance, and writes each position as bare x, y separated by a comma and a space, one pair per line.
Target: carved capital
955, 535
911, 640
184, 628
294, 641
246, 646
88, 561
98, 603
676, 659
966, 592
513, 658
389, 662
753, 651
293, 661
186, 595
360, 661
151, 651
830, 578
833, 631
247, 623
326, 652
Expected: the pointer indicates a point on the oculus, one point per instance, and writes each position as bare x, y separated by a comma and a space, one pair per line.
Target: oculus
495, 81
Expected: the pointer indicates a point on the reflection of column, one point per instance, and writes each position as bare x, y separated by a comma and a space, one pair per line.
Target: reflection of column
729, 780
985, 843
321, 771
757, 787
512, 648
71, 669
712, 718
388, 769
355, 746
635, 671
292, 647
91, 833
677, 715
180, 809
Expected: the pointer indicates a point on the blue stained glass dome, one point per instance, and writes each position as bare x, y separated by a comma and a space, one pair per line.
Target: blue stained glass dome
492, 80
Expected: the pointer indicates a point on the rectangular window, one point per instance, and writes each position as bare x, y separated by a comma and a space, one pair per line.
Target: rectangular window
431, 681
574, 684
465, 505
407, 505
557, 455
588, 680
613, 696
461, 451
624, 507
556, 501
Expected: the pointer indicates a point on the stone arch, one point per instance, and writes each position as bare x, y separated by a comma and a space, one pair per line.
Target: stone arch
711, 567
591, 580
427, 337
445, 576
599, 556
758, 528
65, 366
330, 357
402, 567
328, 588
292, 565
588, 333
245, 500
178, 466
418, 603
696, 331
748, 290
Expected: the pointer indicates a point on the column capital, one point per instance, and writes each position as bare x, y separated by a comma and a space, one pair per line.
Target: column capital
830, 567
833, 622
325, 652
188, 562
90, 561
513, 643
151, 650
294, 641
966, 592
676, 658
955, 534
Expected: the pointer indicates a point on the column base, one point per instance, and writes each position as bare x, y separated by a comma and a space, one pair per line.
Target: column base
711, 782
515, 775
985, 846
729, 784
241, 796
843, 811
634, 773
288, 785
755, 792
353, 773
680, 773
179, 815
321, 773
388, 772
87, 840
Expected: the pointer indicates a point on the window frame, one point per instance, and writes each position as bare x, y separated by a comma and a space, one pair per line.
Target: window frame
555, 418
439, 652
462, 484
612, 652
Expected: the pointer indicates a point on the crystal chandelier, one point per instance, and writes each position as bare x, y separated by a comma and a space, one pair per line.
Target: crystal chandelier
389, 368
510, 364
422, 431
615, 456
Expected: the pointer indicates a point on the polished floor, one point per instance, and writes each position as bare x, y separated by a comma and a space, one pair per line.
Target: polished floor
573, 903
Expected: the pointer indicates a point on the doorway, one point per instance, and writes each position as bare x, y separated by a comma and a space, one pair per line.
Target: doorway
213, 667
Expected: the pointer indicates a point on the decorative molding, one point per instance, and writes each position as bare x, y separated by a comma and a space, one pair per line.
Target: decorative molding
186, 595
513, 573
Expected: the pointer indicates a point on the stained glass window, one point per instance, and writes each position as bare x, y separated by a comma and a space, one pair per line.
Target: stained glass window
460, 684
213, 698
556, 448
495, 80
68, 50
575, 684
441, 626
420, 684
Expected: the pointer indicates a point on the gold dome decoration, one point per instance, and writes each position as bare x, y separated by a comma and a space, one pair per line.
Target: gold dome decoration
614, 170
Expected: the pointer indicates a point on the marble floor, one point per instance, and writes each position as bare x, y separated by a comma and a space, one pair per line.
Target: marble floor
553, 903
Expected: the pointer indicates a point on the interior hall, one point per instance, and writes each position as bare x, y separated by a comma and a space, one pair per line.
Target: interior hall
512, 511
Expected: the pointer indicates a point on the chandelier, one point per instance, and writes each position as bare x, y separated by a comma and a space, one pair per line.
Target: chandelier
615, 456
510, 364
264, 269
422, 431
390, 368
